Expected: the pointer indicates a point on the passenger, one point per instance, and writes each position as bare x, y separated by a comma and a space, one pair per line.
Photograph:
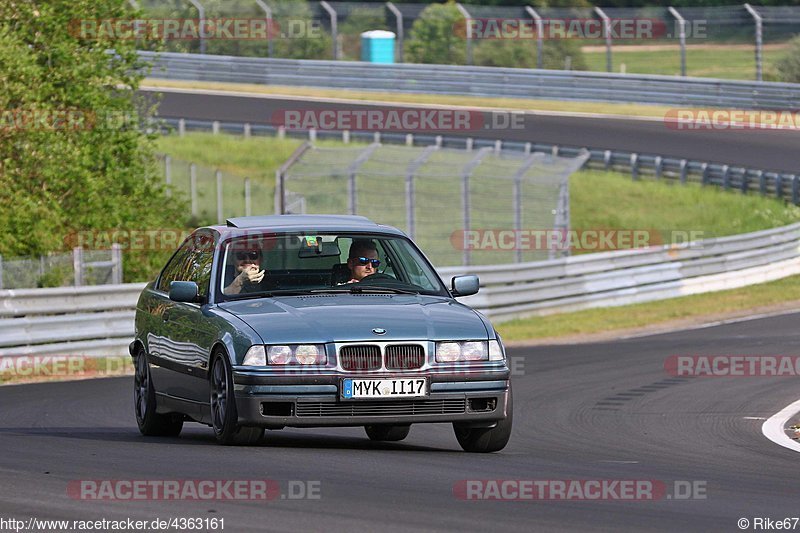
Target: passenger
247, 269
362, 260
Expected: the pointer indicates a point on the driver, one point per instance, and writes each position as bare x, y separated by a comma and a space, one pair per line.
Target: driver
247, 267
362, 260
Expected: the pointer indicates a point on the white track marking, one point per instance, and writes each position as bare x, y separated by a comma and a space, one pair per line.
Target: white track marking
773, 427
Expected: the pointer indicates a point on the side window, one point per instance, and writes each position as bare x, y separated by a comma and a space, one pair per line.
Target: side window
175, 268
191, 263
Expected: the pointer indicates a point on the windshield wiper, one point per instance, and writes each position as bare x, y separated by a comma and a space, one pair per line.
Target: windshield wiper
357, 288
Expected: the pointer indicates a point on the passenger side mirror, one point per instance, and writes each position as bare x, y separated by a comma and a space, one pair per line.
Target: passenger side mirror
465, 285
184, 291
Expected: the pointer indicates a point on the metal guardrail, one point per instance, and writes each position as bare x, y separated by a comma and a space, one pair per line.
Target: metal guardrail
99, 320
479, 81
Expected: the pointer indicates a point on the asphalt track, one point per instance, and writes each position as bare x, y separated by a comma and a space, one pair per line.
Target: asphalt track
777, 150
605, 411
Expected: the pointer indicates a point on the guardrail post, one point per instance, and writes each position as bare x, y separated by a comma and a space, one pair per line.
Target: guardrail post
795, 189
281, 132
220, 217
528, 148
247, 200
659, 164
334, 27
409, 139
312, 135
555, 150
681, 36
470, 143
745, 181
168, 175
467, 18
607, 159
762, 183
726, 177
246, 130
116, 263
704, 174
684, 165
539, 36
759, 40
181, 127
398, 15
77, 265
193, 187
346, 136
498, 146
607, 31
778, 186
215, 127
634, 166
438, 141
376, 137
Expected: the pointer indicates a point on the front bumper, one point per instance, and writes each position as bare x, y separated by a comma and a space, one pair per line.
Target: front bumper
313, 401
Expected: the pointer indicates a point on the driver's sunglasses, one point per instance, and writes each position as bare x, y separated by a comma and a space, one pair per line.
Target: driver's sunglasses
241, 256
364, 261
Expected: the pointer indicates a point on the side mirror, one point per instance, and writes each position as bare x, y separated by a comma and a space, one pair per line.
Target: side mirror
184, 291
465, 285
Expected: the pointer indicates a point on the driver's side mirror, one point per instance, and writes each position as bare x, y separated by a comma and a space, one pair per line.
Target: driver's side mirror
184, 291
465, 285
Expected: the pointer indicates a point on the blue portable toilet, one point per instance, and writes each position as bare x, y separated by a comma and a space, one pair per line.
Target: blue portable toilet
377, 46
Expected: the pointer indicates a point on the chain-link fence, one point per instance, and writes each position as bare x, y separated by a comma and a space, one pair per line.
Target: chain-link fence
301, 29
81, 267
455, 204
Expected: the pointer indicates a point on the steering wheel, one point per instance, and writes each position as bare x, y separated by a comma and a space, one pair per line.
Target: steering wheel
378, 276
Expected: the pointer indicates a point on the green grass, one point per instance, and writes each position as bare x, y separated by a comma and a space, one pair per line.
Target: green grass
708, 63
652, 313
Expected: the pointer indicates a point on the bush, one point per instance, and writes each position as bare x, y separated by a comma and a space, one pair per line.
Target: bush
433, 38
359, 20
787, 67
523, 54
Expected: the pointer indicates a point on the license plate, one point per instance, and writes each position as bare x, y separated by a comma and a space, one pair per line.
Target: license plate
354, 389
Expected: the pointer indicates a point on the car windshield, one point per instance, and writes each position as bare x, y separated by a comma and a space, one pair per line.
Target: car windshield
275, 264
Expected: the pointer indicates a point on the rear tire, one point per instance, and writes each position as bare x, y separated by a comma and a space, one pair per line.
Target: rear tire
486, 440
151, 423
387, 433
224, 416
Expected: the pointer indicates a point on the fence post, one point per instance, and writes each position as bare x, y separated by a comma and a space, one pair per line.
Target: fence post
607, 159
759, 40
466, 172
684, 165
607, 31
334, 27
704, 174
168, 174
193, 187
398, 15
762, 183
681, 36
247, 204
270, 36
215, 127
409, 139
726, 177
202, 15
539, 36
247, 130
659, 164
346, 136
77, 265
181, 127
116, 266
312, 135
778, 186
745, 181
467, 17
220, 217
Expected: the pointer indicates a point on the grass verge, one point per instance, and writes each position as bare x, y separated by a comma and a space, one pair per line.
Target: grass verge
37, 369
610, 319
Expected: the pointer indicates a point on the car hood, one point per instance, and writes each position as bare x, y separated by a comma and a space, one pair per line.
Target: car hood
324, 318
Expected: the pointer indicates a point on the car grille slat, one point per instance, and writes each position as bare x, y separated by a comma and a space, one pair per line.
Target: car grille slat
360, 357
404, 356
381, 408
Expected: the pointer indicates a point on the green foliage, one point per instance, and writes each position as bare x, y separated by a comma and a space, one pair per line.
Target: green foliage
84, 163
788, 66
435, 36
523, 54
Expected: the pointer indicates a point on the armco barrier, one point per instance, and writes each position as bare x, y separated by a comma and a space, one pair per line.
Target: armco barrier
99, 320
478, 81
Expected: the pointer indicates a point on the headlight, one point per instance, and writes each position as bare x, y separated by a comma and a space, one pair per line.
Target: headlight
297, 354
255, 356
451, 352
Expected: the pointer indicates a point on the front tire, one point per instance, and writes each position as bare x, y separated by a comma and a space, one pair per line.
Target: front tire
224, 416
151, 424
387, 433
486, 440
